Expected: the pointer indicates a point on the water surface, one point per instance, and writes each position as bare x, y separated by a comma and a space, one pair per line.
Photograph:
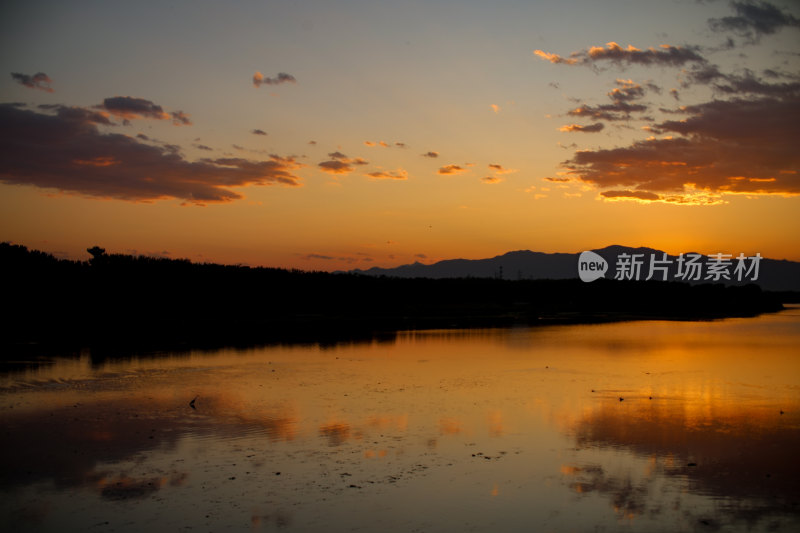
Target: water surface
638, 426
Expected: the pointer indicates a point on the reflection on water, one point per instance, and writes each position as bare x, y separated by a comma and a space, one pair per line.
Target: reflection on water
646, 426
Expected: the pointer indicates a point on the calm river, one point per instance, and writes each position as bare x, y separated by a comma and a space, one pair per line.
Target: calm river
637, 426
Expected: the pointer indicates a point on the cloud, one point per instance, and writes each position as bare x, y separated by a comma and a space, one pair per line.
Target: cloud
317, 256
340, 163
432, 155
620, 108
626, 194
258, 132
179, 118
128, 107
203, 147
399, 174
64, 149
627, 91
558, 180
753, 20
495, 108
451, 169
384, 144
665, 55
611, 112
594, 128
735, 146
40, 81
491, 179
500, 169
259, 79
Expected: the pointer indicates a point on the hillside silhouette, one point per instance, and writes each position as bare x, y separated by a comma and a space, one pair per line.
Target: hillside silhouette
774, 275
126, 300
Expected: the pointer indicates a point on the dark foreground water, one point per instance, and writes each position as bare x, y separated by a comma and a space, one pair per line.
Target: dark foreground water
640, 426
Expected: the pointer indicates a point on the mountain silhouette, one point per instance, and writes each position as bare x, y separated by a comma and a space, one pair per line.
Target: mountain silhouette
774, 275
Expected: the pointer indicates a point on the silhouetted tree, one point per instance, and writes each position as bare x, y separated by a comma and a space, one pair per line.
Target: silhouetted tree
98, 255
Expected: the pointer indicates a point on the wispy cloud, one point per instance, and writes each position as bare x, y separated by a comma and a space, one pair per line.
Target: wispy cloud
282, 77
64, 149
593, 128
665, 55
491, 179
40, 81
495, 108
399, 174
753, 20
626, 194
500, 169
432, 155
258, 132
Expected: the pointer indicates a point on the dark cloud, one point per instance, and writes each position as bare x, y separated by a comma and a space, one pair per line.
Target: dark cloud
65, 150
491, 179
593, 128
203, 147
432, 155
400, 144
748, 83
130, 108
451, 169
258, 132
77, 114
40, 81
665, 55
736, 146
558, 180
179, 118
754, 19
340, 163
259, 79
638, 195
611, 112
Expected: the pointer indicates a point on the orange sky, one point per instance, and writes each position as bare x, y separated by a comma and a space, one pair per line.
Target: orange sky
373, 134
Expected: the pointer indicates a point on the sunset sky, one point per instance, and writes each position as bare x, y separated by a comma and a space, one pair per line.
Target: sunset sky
350, 134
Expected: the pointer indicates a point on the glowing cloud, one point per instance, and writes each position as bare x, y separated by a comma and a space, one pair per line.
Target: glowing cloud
666, 55
399, 174
594, 128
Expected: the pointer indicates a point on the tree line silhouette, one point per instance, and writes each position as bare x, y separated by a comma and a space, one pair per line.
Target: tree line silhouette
131, 300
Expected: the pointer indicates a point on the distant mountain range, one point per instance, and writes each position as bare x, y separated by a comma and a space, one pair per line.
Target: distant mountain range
773, 275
